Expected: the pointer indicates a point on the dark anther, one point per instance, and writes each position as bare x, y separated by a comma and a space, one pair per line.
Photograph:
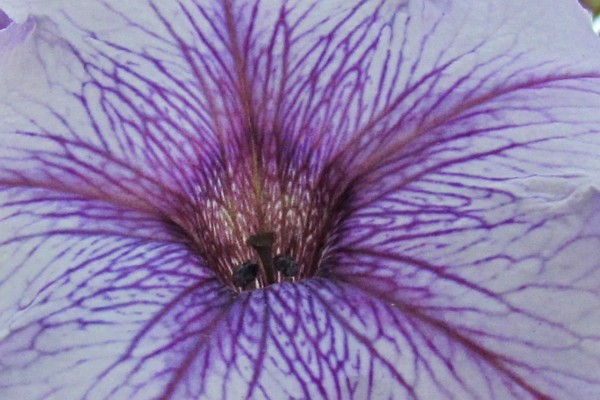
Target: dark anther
263, 244
245, 274
286, 265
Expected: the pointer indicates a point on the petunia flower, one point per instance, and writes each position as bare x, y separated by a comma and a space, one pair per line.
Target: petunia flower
308, 199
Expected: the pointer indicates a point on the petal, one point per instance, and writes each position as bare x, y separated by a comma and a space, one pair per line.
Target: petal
481, 224
94, 295
14, 39
297, 341
332, 86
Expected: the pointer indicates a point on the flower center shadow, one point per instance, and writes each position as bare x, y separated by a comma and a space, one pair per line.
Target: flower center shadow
258, 229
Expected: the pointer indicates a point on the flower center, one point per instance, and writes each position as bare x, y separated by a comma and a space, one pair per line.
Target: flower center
256, 227
244, 276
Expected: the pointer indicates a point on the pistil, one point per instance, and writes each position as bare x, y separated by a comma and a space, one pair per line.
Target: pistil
262, 243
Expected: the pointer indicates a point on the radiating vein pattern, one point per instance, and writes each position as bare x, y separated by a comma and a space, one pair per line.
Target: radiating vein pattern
432, 168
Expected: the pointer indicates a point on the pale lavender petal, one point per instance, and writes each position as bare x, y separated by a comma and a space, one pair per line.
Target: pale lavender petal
15, 52
482, 223
87, 284
455, 148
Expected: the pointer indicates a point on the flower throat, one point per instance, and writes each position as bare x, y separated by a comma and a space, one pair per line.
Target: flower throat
252, 238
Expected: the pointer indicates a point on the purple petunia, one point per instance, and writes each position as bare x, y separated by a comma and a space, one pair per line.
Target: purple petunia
246, 199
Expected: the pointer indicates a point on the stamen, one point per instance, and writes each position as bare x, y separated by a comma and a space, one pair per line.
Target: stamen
263, 244
245, 274
286, 265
